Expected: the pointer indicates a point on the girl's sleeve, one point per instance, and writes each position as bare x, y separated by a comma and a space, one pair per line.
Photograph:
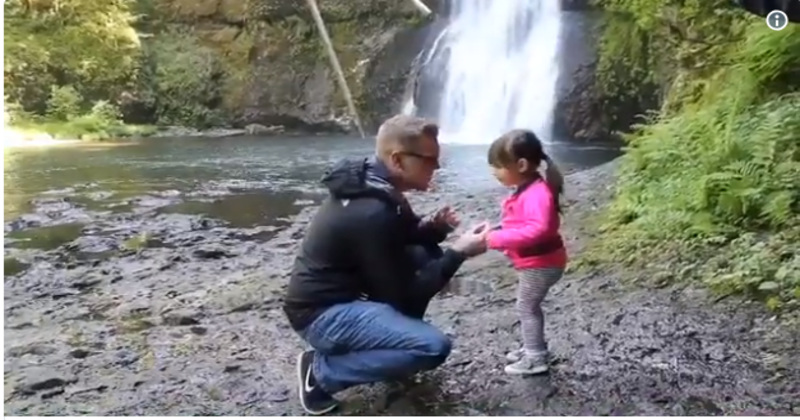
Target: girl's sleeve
538, 210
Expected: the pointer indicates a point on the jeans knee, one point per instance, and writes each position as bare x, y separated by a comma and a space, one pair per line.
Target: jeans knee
436, 349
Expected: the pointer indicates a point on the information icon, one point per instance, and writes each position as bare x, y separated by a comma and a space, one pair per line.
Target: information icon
777, 20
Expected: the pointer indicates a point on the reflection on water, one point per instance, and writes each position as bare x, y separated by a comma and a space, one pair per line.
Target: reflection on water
244, 180
249, 209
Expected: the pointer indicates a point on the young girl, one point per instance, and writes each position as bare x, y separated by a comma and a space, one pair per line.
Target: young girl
529, 236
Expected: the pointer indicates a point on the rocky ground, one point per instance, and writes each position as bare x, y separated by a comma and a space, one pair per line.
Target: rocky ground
186, 321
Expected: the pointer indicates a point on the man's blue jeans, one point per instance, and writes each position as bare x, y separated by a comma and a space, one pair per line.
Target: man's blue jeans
362, 342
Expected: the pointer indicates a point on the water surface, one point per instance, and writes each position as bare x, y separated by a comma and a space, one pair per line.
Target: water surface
246, 181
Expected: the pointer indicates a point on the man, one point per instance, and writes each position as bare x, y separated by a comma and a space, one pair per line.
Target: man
368, 267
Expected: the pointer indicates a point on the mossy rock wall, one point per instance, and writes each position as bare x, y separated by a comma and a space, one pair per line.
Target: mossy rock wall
264, 62
607, 82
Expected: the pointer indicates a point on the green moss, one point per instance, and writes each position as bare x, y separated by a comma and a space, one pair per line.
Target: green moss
624, 55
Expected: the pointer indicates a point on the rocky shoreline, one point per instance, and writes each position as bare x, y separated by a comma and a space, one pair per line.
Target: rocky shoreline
20, 138
340, 125
186, 321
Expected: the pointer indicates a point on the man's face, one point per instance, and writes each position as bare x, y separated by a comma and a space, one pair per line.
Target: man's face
416, 167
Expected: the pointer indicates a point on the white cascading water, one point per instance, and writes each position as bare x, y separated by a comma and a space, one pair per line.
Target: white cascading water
500, 59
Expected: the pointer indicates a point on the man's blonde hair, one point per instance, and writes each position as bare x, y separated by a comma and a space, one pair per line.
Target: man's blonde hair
403, 132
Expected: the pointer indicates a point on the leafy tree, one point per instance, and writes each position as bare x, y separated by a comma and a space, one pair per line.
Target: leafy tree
89, 45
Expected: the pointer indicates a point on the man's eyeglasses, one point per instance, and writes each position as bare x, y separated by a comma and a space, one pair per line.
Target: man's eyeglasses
431, 160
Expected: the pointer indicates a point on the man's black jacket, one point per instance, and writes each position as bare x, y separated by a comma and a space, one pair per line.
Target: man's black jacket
355, 247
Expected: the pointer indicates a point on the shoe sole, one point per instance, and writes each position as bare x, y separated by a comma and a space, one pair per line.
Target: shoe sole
301, 382
513, 358
535, 371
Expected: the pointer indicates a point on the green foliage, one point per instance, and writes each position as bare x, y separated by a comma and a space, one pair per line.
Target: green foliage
67, 118
658, 43
172, 62
61, 57
64, 103
627, 75
181, 80
86, 44
718, 176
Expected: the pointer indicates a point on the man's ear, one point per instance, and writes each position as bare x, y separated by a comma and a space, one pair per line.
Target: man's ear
396, 160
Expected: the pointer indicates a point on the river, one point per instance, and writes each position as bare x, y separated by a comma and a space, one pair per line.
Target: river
245, 181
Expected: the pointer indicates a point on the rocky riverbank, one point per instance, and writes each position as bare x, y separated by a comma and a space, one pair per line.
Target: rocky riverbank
21, 138
186, 320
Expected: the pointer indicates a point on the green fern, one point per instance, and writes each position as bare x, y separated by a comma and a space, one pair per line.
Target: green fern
721, 172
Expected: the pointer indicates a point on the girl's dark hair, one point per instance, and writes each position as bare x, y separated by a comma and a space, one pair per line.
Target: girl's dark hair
523, 144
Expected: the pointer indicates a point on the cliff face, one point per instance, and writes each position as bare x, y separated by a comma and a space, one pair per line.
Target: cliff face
599, 96
264, 62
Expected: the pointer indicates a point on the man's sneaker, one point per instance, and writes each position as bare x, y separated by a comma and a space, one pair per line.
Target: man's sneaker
529, 364
313, 398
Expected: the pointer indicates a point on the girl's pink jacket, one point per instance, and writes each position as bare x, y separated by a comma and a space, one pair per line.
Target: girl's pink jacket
530, 235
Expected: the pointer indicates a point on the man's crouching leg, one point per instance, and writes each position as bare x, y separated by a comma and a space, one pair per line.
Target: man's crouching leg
365, 342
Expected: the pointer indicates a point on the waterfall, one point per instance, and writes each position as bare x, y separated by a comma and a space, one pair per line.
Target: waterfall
497, 60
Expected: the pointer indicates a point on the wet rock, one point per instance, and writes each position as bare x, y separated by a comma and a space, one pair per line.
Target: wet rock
85, 390
191, 132
83, 284
244, 307
57, 294
79, 353
38, 379
198, 330
262, 130
181, 317
278, 396
212, 254
125, 357
99, 195
52, 204
93, 244
584, 111
135, 308
26, 222
148, 203
716, 352
36, 349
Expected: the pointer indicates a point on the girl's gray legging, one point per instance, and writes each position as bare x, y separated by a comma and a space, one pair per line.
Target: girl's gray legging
533, 286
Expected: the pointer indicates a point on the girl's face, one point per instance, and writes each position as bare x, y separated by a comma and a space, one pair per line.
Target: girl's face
512, 175
509, 177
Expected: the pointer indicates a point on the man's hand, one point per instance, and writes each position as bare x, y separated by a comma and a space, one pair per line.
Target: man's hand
473, 242
445, 217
